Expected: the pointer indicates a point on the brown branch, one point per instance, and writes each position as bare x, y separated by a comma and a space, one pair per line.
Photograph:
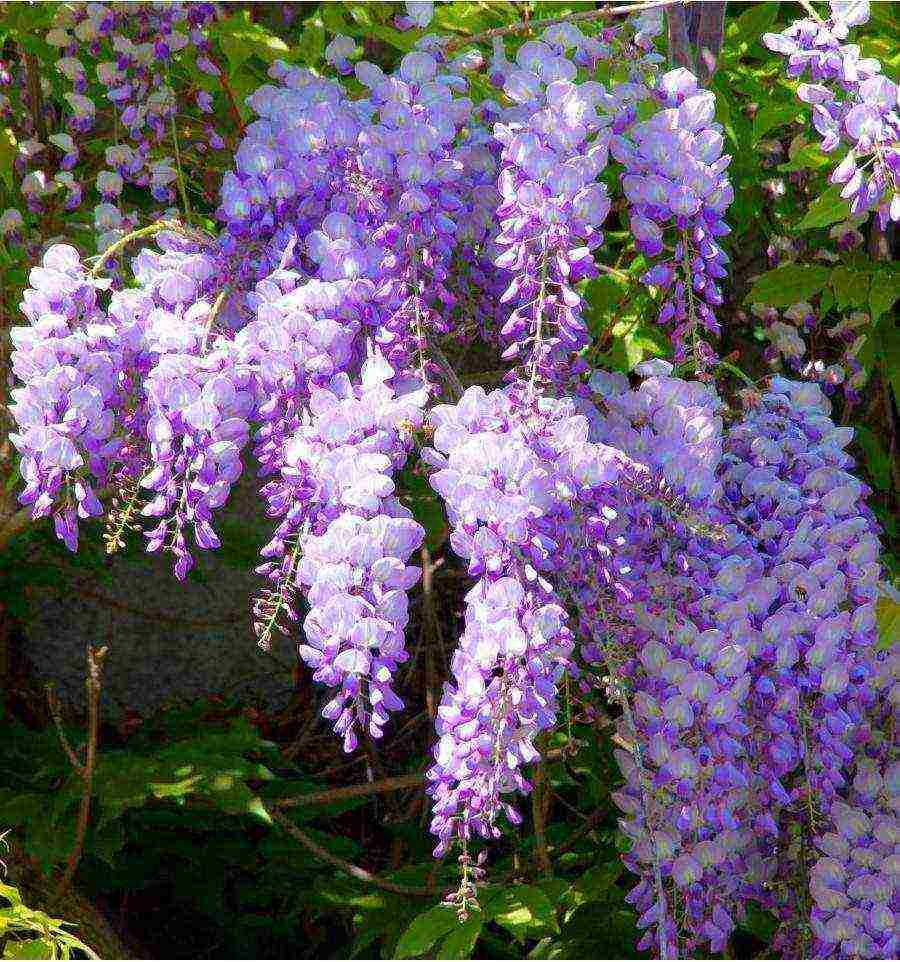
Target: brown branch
710, 35
450, 374
880, 250
681, 52
538, 812
431, 629
356, 871
395, 784
586, 826
229, 93
93, 683
523, 26
56, 715
35, 96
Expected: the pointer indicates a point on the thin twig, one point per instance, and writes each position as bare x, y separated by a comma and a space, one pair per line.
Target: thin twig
613, 272
213, 314
431, 629
356, 871
56, 715
229, 93
396, 784
808, 7
147, 231
586, 826
523, 26
452, 377
93, 683
182, 189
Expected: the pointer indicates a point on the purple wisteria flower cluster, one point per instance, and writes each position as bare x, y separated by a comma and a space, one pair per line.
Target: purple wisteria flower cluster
854, 105
817, 676
710, 575
68, 360
359, 539
508, 470
675, 181
137, 91
551, 211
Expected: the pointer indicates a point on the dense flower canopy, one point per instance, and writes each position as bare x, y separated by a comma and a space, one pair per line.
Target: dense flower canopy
713, 572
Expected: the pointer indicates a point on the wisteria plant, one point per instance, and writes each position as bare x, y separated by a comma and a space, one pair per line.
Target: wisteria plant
673, 538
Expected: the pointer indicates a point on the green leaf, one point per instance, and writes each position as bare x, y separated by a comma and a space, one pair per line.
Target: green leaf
752, 23
807, 157
888, 614
877, 460
460, 942
31, 949
788, 284
825, 210
240, 39
594, 885
760, 923
425, 930
403, 40
108, 841
7, 156
18, 808
603, 295
10, 893
771, 116
524, 911
361, 15
885, 290
418, 495
851, 288
333, 19
311, 45
886, 346
27, 19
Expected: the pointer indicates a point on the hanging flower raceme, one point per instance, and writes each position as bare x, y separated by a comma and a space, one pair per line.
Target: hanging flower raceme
678, 192
346, 539
853, 879
287, 165
812, 625
430, 179
70, 363
644, 572
504, 462
853, 104
551, 211
184, 421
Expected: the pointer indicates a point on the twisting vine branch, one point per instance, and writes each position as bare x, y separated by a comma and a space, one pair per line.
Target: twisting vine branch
356, 871
93, 683
581, 16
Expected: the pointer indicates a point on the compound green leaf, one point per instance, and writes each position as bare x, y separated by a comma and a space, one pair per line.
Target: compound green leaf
788, 284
